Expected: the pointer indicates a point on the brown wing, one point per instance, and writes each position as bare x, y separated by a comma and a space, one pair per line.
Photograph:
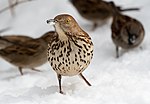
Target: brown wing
12, 39
118, 22
50, 36
18, 52
17, 38
92, 9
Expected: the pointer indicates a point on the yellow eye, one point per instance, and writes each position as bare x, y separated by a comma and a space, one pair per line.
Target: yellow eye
67, 21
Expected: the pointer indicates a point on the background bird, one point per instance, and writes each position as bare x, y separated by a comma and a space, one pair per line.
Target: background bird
29, 54
8, 40
96, 11
127, 32
70, 53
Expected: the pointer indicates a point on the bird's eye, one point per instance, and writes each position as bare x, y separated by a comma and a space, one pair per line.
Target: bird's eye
67, 21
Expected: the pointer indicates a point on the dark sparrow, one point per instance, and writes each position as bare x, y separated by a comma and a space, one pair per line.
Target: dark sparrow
96, 11
29, 54
127, 32
71, 53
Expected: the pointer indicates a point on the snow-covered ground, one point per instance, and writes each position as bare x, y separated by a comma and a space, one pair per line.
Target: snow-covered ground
114, 81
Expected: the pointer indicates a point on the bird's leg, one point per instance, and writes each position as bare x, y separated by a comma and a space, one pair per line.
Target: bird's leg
20, 70
117, 52
59, 80
35, 70
94, 26
81, 75
141, 47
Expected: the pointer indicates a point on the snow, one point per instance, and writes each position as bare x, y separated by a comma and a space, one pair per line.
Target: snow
114, 81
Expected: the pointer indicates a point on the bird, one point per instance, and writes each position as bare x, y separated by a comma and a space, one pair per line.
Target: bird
7, 40
28, 54
71, 52
127, 32
96, 11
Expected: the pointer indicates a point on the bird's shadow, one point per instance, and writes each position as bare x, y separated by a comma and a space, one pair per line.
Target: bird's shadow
38, 91
13, 73
31, 93
9, 74
42, 91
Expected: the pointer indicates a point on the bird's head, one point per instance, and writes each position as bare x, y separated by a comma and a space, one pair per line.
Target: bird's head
132, 33
64, 21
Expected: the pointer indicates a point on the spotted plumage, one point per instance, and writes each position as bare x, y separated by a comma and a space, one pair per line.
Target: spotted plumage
70, 48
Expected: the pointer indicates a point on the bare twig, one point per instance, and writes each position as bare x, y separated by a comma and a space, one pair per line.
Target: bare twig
5, 29
12, 5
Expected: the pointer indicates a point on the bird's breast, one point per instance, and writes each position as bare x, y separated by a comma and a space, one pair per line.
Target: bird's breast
70, 57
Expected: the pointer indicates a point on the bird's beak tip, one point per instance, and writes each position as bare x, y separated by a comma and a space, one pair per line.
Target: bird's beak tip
49, 21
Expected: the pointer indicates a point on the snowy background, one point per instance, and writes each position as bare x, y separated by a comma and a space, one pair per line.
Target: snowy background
115, 81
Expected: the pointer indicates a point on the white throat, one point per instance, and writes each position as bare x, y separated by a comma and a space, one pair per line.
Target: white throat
60, 32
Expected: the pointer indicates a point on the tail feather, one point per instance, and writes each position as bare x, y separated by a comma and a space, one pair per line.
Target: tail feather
3, 53
5, 42
128, 9
3, 39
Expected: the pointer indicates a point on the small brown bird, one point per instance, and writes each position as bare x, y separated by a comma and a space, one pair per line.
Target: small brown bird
96, 11
71, 52
29, 54
127, 32
8, 40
